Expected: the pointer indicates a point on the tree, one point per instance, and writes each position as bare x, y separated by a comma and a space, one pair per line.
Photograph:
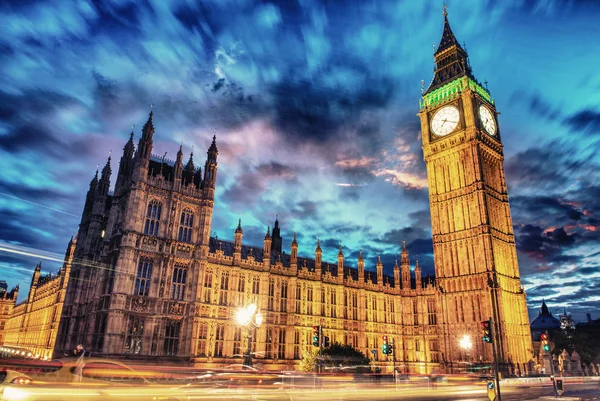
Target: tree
343, 355
309, 360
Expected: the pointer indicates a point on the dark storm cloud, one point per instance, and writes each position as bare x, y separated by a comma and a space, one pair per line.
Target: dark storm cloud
304, 210
544, 166
545, 206
547, 245
587, 121
252, 183
309, 110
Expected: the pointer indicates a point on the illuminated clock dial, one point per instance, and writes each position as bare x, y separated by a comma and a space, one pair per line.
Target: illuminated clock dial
487, 119
445, 120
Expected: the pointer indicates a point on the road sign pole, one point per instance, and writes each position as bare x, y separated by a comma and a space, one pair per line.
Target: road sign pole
552, 370
394, 362
320, 370
494, 342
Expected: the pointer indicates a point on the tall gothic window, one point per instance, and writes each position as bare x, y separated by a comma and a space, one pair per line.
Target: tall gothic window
269, 342
207, 286
309, 298
219, 339
135, 332
241, 289
281, 346
333, 304
237, 342
415, 312
374, 307
178, 282
202, 337
296, 344
431, 312
144, 274
153, 218
224, 288
298, 298
271, 294
283, 300
255, 285
172, 337
185, 226
322, 301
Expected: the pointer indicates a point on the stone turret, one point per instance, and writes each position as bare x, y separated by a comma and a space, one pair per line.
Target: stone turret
237, 244
396, 275
418, 280
267, 249
294, 254
318, 259
405, 266
379, 270
361, 267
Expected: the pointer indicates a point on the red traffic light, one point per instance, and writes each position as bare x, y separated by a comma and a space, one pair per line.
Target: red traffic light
544, 337
385, 338
316, 329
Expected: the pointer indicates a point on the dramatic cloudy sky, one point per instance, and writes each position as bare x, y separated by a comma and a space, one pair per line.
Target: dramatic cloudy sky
313, 104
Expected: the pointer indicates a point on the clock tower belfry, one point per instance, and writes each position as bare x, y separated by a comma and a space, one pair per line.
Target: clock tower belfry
474, 247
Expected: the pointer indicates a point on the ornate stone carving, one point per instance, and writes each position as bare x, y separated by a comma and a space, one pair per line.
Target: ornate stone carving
139, 304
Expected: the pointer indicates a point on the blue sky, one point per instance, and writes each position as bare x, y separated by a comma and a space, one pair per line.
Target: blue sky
313, 104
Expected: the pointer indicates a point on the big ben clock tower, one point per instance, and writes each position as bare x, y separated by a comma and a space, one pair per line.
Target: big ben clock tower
473, 242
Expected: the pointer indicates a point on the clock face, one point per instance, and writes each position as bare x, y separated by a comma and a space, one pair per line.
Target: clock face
445, 120
487, 119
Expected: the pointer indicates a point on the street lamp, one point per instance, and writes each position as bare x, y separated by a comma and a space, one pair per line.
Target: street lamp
251, 318
466, 344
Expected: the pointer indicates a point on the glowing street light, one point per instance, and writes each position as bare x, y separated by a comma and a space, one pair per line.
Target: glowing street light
466, 344
251, 318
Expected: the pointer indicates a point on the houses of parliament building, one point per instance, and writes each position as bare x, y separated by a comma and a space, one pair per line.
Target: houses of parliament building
144, 278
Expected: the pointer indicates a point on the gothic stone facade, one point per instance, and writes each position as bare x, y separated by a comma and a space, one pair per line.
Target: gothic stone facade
149, 280
474, 248
31, 326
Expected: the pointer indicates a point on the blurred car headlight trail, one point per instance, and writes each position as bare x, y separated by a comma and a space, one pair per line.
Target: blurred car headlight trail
14, 394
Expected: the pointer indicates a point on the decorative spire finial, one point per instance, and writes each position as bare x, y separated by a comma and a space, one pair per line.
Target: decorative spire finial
422, 87
445, 9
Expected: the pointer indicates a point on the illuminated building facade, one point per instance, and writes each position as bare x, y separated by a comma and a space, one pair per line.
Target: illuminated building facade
474, 248
7, 304
148, 281
32, 325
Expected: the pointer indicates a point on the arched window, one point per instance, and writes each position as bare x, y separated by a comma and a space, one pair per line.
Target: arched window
178, 282
153, 218
144, 274
185, 226
172, 331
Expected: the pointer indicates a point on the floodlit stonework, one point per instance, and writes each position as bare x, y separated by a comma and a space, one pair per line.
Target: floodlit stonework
148, 281
474, 249
32, 324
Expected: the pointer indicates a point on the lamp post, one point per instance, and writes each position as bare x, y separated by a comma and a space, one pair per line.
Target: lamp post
251, 318
466, 345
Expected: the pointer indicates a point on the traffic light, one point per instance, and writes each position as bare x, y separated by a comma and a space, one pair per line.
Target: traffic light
545, 345
316, 340
486, 330
325, 341
385, 348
